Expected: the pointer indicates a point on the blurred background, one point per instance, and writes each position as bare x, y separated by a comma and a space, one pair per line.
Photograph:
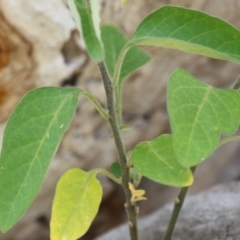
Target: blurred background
40, 46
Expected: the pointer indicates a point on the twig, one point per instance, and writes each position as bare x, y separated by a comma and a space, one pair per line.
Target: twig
108, 174
236, 84
177, 208
130, 208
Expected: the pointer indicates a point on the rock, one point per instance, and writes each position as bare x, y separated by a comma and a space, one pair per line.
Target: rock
211, 215
34, 37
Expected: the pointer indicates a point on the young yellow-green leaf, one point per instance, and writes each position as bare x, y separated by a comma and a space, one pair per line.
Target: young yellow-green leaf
31, 138
114, 41
198, 115
190, 31
156, 160
86, 15
75, 205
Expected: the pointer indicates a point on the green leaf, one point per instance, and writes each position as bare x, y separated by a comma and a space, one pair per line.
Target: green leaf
116, 169
156, 160
86, 15
114, 41
198, 115
31, 138
190, 31
75, 205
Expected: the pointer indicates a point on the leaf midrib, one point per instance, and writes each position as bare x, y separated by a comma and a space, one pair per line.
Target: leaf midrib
159, 157
204, 100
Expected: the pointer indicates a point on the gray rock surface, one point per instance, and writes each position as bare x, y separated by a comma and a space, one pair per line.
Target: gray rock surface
211, 215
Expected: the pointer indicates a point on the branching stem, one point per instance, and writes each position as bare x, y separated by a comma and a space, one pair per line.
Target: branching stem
96, 103
228, 139
130, 208
108, 174
177, 208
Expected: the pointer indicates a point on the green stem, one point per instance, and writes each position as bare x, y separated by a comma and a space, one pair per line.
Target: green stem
130, 208
118, 66
118, 94
108, 174
96, 103
228, 139
177, 208
236, 84
118, 87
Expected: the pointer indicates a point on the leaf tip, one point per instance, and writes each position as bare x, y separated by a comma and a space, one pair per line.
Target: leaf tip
190, 181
